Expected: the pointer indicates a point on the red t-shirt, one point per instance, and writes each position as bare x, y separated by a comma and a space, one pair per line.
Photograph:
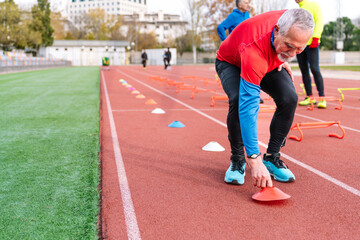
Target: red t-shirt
249, 47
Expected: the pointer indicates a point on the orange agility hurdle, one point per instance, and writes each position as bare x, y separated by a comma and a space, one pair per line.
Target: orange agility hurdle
327, 99
267, 108
215, 97
184, 87
197, 90
173, 83
308, 125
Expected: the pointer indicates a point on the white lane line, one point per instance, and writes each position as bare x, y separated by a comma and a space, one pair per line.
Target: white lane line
319, 120
307, 167
129, 212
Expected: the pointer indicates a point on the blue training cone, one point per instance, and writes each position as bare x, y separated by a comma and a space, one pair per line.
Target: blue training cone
176, 124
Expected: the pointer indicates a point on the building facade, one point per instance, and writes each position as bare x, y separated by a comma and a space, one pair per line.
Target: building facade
76, 8
165, 26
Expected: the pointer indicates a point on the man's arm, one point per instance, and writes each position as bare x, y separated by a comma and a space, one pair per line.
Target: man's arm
249, 97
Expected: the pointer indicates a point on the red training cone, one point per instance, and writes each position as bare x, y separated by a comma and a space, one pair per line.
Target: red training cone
270, 194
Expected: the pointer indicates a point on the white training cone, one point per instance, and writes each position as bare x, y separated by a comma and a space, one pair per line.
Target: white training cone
158, 111
213, 147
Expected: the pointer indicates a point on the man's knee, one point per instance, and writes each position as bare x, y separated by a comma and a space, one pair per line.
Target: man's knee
289, 100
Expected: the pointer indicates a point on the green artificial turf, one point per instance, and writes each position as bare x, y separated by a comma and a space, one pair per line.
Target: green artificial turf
333, 67
49, 145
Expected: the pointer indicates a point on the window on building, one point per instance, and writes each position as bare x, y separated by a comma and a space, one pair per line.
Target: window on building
145, 2
166, 27
73, 0
139, 1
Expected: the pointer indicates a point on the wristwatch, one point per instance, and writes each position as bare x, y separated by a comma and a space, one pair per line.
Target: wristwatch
254, 156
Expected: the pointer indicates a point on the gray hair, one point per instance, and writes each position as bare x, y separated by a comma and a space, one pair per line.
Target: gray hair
237, 2
297, 16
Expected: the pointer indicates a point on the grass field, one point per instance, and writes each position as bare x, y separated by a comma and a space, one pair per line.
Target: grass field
49, 165
333, 67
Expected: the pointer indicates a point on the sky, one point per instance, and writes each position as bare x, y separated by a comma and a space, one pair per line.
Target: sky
349, 8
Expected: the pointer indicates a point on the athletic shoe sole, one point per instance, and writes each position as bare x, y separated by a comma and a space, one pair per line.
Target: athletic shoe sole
282, 180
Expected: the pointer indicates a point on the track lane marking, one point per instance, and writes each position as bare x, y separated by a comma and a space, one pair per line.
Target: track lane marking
307, 167
129, 212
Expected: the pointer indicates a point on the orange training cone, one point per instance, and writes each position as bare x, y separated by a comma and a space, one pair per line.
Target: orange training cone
150, 102
270, 194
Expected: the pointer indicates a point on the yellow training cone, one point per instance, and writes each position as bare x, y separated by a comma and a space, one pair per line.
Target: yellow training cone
150, 102
140, 96
135, 92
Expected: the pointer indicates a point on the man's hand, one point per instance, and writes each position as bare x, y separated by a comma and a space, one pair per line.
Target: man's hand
260, 174
287, 68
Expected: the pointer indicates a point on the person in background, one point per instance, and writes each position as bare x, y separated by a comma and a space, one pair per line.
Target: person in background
165, 60
255, 56
144, 58
168, 57
310, 56
239, 14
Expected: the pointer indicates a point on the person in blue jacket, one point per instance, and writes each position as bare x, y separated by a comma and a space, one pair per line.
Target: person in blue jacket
235, 18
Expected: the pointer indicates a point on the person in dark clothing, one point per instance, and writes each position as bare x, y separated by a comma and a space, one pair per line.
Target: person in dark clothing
253, 57
165, 60
144, 58
168, 57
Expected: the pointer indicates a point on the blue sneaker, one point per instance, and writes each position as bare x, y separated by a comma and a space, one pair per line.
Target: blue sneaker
236, 173
277, 168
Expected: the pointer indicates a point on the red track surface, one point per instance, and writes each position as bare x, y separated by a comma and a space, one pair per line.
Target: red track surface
177, 189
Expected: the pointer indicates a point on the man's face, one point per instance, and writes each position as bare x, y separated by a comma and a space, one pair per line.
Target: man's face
244, 5
298, 1
294, 42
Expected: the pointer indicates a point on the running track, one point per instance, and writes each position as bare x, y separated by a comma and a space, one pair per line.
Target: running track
157, 182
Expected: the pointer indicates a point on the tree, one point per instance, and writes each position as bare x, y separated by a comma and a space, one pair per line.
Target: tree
342, 29
115, 30
42, 22
57, 23
146, 41
184, 43
194, 12
261, 6
9, 24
